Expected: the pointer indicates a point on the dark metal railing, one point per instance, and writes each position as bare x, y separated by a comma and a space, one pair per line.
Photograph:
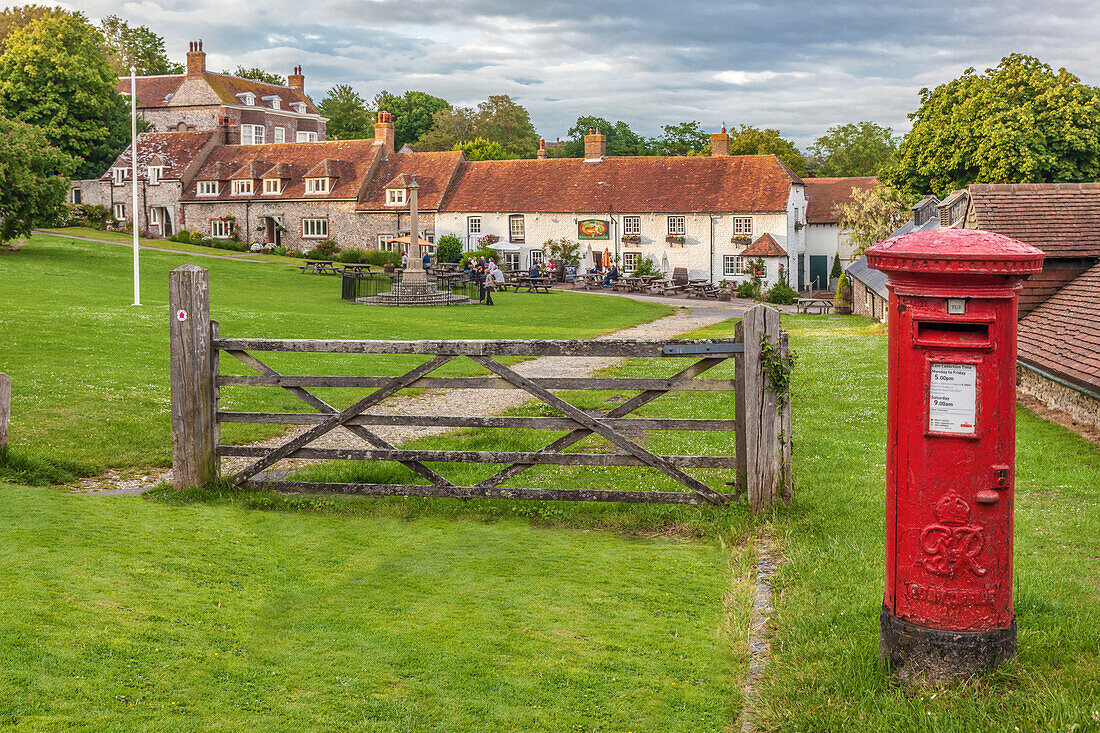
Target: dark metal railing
360, 286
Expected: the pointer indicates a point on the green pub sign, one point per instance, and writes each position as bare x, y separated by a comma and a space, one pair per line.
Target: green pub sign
593, 229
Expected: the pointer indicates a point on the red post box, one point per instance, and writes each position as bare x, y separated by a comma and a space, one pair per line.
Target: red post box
951, 431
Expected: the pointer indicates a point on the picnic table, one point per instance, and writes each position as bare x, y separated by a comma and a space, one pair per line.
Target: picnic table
321, 267
823, 305
533, 284
702, 289
358, 269
587, 280
635, 283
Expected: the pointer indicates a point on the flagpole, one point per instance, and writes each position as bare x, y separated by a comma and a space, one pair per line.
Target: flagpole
134, 178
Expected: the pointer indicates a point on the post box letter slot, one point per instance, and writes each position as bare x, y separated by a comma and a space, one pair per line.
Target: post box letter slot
956, 334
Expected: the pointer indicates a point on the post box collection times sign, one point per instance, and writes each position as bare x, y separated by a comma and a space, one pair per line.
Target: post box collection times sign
953, 398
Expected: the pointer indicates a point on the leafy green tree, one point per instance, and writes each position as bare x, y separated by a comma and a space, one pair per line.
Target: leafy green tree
412, 114
871, 215
621, 140
20, 16
481, 149
258, 74
347, 114
448, 248
34, 177
685, 138
137, 46
748, 140
854, 149
450, 127
498, 119
54, 74
1018, 122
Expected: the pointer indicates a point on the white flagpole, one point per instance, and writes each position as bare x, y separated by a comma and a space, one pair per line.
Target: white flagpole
134, 178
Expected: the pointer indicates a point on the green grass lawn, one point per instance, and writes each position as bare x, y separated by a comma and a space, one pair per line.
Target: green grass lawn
90, 371
124, 238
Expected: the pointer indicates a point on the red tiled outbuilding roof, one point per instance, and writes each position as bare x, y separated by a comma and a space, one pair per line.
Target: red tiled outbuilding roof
157, 91
434, 175
175, 151
823, 194
736, 183
764, 246
1062, 335
152, 91
353, 159
1062, 219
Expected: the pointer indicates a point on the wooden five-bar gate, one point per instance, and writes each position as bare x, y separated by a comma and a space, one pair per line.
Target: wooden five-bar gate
761, 426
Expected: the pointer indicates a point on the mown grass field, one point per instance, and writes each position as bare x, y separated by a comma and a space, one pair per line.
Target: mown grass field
217, 610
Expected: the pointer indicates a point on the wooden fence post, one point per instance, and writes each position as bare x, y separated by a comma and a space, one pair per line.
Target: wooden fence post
763, 417
194, 397
5, 409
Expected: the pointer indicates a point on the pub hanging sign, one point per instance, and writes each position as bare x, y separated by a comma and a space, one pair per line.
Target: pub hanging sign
593, 229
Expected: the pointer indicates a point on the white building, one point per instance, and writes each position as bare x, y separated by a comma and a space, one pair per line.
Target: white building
824, 238
698, 213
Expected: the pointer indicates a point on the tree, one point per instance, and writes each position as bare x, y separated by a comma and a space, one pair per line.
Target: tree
54, 74
481, 149
258, 74
450, 127
498, 119
448, 248
1018, 122
685, 138
347, 114
412, 114
34, 178
621, 140
871, 215
20, 16
854, 149
748, 140
137, 46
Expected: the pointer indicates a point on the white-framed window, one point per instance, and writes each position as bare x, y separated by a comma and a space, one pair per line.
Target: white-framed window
118, 176
385, 243
473, 225
536, 256
280, 133
272, 185
220, 229
511, 261
275, 101
208, 188
315, 228
632, 225
741, 266
77, 196
395, 196
731, 265
119, 210
516, 228
316, 185
676, 225
306, 137
242, 187
299, 107
253, 134
742, 226
155, 172
247, 98
154, 217
630, 261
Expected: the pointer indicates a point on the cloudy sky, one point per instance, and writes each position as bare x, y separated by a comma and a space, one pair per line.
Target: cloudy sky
798, 65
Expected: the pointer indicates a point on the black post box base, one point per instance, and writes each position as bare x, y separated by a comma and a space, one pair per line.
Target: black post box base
923, 656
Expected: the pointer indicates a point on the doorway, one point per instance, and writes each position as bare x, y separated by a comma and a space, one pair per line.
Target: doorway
819, 272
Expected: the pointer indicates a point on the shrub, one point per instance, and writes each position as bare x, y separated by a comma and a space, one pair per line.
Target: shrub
646, 266
280, 250
352, 256
837, 269
748, 290
326, 249
197, 238
782, 293
563, 250
379, 257
449, 249
96, 217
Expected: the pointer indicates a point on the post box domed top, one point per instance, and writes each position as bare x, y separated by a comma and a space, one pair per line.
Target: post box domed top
955, 251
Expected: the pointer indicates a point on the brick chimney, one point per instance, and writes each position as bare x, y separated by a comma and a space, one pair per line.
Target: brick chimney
383, 133
296, 81
720, 143
542, 150
196, 59
595, 145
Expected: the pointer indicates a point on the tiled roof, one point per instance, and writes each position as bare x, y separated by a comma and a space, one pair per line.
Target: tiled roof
736, 183
353, 158
253, 169
279, 170
1062, 219
327, 168
156, 91
1062, 335
875, 280
764, 246
434, 174
823, 194
173, 150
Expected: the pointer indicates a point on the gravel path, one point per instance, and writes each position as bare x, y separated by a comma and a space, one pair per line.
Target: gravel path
688, 317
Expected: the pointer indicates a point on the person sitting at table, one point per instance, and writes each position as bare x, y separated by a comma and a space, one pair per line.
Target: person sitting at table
534, 271
612, 276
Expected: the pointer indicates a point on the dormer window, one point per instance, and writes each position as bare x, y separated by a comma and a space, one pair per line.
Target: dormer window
242, 187
317, 185
274, 101
395, 196
208, 188
118, 176
272, 185
155, 172
247, 98
299, 107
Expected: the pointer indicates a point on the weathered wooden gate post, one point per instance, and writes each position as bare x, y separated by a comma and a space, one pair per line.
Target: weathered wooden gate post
192, 367
5, 408
763, 416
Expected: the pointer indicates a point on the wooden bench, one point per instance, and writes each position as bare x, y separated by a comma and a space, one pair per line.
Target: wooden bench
823, 305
